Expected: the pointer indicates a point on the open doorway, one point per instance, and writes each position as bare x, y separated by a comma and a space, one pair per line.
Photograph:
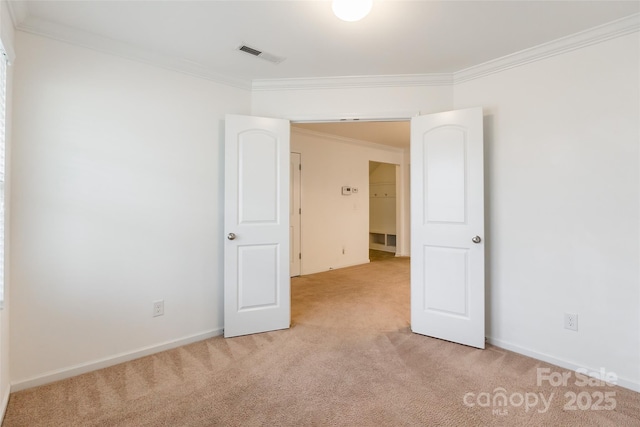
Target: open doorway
352, 188
383, 235
446, 185
335, 230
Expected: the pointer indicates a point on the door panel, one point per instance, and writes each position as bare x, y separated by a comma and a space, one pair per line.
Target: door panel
446, 284
447, 193
445, 150
258, 177
256, 253
258, 276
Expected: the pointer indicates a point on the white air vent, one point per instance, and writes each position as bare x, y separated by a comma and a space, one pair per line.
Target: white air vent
260, 54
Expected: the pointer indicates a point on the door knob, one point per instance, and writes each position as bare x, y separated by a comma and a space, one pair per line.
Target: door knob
231, 236
476, 239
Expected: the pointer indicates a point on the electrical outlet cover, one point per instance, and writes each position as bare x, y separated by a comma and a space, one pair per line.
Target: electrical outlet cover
571, 321
158, 308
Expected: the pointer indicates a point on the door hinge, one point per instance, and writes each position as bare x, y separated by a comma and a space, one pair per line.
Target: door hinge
299, 255
300, 166
300, 211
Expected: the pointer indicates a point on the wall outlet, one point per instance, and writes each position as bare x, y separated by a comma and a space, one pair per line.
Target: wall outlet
571, 321
158, 308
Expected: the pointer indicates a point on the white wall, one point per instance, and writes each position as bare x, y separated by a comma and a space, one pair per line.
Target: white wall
383, 173
360, 102
562, 195
562, 147
333, 223
7, 36
372, 102
117, 202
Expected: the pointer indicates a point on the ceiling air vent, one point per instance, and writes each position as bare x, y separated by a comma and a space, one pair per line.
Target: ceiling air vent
260, 54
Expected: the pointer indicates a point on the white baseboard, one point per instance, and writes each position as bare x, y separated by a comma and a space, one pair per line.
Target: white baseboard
83, 368
336, 267
353, 264
5, 402
622, 382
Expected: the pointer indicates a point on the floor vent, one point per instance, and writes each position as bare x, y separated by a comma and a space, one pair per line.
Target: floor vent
260, 54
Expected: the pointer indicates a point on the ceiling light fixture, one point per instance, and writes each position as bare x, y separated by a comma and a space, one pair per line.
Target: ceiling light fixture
351, 10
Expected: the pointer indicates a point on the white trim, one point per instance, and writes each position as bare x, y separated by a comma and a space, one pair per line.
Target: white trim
83, 368
595, 35
5, 402
395, 116
618, 28
18, 10
339, 267
436, 79
102, 44
629, 384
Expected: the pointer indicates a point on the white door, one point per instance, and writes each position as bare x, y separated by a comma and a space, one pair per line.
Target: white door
295, 215
256, 225
447, 226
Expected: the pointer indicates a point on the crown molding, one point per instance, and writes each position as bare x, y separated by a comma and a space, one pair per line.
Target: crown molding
618, 28
611, 30
440, 79
18, 10
106, 45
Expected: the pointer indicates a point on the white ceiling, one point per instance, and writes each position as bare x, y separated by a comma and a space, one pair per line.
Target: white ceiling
397, 38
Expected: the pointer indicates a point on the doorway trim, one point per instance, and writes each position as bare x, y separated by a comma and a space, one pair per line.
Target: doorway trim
403, 218
396, 116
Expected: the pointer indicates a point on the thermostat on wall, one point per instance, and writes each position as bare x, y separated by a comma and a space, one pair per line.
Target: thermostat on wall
346, 190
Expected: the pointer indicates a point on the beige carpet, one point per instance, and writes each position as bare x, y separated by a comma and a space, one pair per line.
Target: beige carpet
349, 359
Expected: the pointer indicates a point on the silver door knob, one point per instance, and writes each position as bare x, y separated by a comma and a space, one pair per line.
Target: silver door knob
231, 236
476, 239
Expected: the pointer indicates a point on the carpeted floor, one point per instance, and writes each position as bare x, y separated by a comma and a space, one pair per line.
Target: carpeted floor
349, 359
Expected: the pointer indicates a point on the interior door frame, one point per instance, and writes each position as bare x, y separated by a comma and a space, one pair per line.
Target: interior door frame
398, 184
406, 176
297, 197
403, 221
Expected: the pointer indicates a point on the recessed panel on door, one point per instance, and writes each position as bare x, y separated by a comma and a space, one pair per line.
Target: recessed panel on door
258, 172
256, 225
445, 159
447, 226
258, 277
446, 272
